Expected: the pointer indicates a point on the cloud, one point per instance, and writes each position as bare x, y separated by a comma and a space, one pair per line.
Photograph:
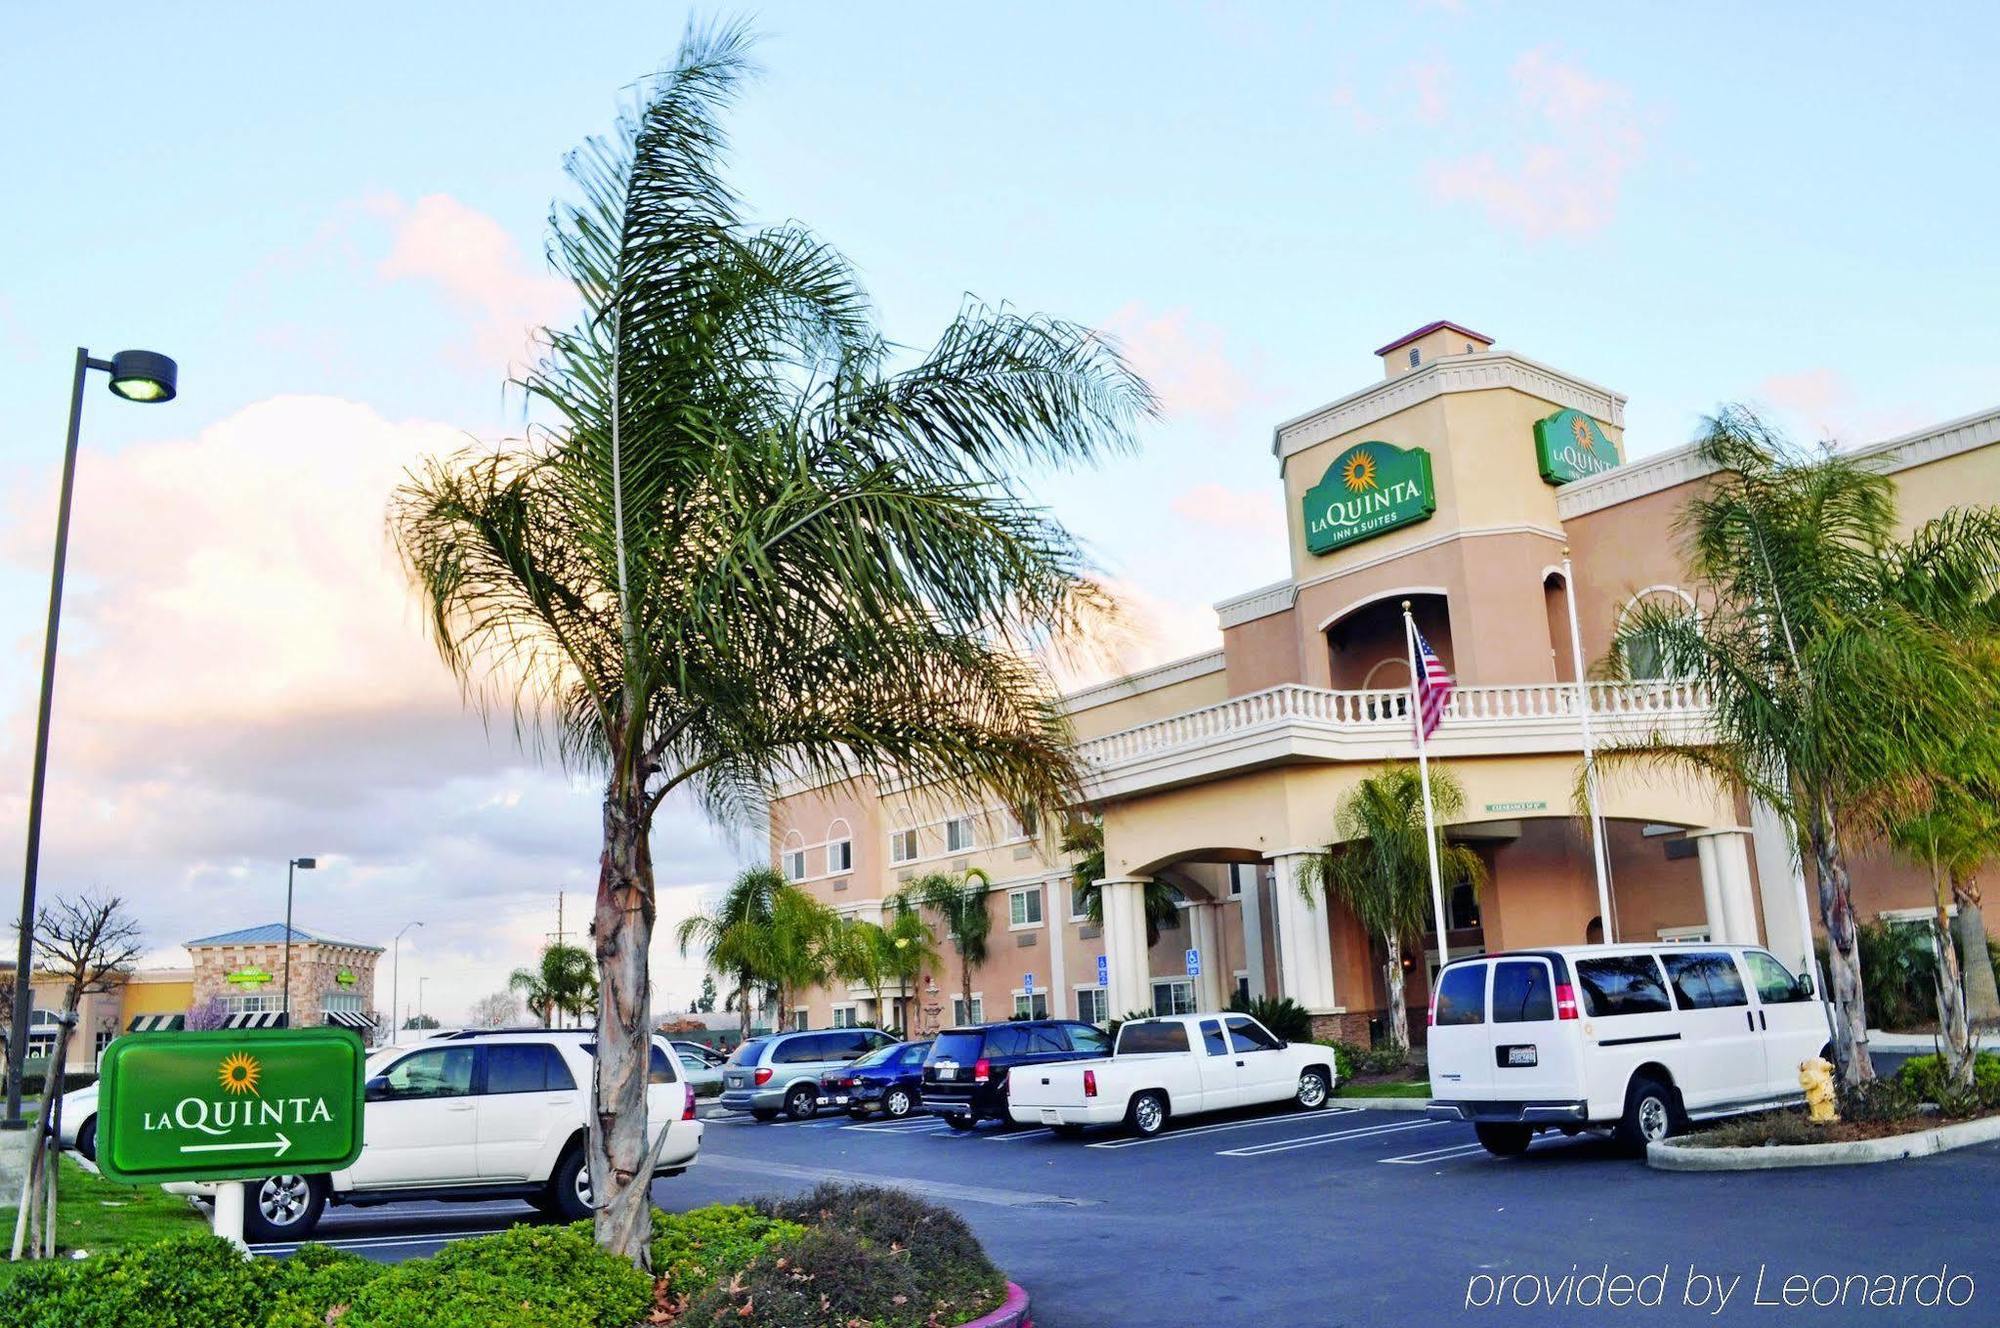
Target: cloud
1187, 363
1255, 512
1576, 138
1428, 83
1822, 402
245, 678
1154, 630
472, 260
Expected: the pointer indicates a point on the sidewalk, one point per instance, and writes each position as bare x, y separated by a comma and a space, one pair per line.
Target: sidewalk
1922, 1043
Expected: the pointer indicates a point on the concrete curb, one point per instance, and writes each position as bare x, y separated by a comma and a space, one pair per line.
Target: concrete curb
1013, 1312
1418, 1104
1918, 1143
1923, 1043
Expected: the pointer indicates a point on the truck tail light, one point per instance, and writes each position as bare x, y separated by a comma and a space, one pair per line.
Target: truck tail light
763, 1076
1565, 1001
1090, 1083
687, 1111
1432, 1021
982, 1070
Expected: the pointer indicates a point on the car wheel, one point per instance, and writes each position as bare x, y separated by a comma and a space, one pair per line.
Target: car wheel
86, 1139
1312, 1092
282, 1208
960, 1122
1503, 1139
1649, 1114
802, 1102
1067, 1131
765, 1114
1148, 1113
569, 1195
898, 1103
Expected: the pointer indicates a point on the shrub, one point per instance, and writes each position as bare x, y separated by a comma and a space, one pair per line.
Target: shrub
1343, 1059
1923, 1077
1283, 1016
193, 1281
1877, 1100
527, 1277
937, 1241
315, 1282
1350, 1060
694, 1249
825, 1276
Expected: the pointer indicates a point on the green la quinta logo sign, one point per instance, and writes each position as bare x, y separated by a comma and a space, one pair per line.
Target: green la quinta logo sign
1370, 488
1569, 445
231, 1104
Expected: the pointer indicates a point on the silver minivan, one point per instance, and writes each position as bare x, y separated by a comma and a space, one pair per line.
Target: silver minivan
780, 1072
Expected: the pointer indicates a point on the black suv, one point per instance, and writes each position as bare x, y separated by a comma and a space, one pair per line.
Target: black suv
965, 1074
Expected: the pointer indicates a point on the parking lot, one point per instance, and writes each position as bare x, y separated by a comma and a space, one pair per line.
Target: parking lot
1344, 1216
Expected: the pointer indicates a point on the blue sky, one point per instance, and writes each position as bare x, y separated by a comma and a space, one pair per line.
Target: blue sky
333, 218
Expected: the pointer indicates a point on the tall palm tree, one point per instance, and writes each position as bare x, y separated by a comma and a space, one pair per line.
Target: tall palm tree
961, 904
862, 955
563, 981
806, 946
1379, 866
745, 539
1835, 655
735, 934
910, 948
1160, 903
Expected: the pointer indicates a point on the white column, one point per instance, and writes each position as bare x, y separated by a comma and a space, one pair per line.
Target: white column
1305, 950
1205, 936
1125, 945
1056, 901
1711, 887
1252, 878
1724, 855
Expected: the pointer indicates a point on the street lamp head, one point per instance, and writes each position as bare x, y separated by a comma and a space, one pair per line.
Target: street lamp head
143, 375
305, 864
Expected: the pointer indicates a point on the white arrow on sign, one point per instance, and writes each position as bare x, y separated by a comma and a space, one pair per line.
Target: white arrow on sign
279, 1146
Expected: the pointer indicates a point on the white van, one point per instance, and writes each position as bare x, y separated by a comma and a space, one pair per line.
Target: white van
1638, 1038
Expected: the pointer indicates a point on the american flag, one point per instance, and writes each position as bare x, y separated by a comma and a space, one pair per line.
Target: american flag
1434, 688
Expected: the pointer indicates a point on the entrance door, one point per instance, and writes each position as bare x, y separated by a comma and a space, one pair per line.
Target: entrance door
418, 1125
1725, 1056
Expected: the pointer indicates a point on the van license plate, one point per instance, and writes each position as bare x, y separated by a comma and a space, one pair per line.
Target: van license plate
946, 1071
1520, 1056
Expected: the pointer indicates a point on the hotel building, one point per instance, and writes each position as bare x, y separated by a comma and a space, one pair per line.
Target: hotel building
1456, 482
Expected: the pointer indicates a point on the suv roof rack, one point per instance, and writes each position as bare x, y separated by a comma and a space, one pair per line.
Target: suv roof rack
457, 1034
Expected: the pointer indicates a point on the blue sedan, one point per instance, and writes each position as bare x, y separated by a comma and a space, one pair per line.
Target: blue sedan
889, 1080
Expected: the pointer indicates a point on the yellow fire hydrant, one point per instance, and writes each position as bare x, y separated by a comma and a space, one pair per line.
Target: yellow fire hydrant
1816, 1077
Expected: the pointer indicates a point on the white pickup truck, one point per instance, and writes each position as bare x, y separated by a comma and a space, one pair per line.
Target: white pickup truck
1176, 1066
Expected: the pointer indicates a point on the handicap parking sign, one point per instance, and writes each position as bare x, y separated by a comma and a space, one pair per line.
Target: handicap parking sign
1103, 970
1194, 963
1028, 984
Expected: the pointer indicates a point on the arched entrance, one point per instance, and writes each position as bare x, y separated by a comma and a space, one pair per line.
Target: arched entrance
1366, 646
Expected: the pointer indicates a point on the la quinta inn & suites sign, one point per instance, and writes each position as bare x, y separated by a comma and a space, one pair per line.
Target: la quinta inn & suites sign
1569, 445
1370, 488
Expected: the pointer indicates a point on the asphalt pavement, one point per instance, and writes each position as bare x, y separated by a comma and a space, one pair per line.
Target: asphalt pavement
1352, 1217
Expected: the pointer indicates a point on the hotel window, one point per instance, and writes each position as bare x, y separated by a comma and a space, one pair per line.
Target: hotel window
103, 1040
1464, 908
903, 846
840, 856
1031, 1007
1415, 356
799, 1019
1025, 822
959, 1016
1024, 908
1092, 1005
252, 1004
1079, 904
1236, 870
795, 864
958, 836
844, 1017
1174, 996
1243, 989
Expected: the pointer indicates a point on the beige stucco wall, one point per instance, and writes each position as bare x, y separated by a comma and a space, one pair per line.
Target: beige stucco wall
1144, 707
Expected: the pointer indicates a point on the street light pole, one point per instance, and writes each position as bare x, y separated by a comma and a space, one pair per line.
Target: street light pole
136, 376
292, 866
420, 995
396, 979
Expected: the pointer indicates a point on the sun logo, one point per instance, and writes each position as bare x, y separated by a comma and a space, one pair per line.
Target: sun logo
1359, 473
239, 1073
1580, 430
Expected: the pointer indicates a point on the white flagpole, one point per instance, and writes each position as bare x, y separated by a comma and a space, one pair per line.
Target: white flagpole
1424, 778
1597, 854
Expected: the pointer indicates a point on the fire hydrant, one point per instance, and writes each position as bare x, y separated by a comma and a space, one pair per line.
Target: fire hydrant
1816, 1077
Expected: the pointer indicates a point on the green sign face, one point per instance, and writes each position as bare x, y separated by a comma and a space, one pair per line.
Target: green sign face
1517, 806
1370, 488
1570, 446
248, 977
229, 1105
345, 978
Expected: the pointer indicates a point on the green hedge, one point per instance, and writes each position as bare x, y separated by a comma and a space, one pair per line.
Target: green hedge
1924, 1078
693, 1250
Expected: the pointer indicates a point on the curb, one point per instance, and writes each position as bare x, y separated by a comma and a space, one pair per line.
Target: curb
1013, 1312
1919, 1143
1382, 1103
1924, 1043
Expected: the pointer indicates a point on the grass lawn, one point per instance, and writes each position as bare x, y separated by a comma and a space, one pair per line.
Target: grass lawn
1386, 1088
95, 1215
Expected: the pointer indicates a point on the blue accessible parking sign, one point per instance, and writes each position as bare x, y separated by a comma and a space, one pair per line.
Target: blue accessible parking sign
1194, 963
1103, 970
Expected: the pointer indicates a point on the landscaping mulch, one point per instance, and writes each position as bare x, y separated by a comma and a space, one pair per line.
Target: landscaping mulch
1793, 1127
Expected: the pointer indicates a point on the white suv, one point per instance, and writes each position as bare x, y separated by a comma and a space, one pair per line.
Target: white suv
497, 1114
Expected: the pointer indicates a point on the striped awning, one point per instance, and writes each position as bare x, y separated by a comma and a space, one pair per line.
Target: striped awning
157, 1023
255, 1019
348, 1019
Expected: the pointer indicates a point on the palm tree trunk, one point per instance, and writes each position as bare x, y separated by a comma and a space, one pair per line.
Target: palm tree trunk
1950, 991
965, 983
1843, 953
1399, 1013
743, 1007
623, 927
1982, 999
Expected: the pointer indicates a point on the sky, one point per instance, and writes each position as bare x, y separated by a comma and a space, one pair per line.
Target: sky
334, 217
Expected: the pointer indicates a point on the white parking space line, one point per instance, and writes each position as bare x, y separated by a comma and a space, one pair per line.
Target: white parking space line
1195, 1131
1315, 1140
1435, 1155
925, 1125
1012, 1135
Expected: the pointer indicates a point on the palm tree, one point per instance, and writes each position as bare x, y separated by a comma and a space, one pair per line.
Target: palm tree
862, 956
1160, 902
806, 946
563, 981
735, 934
1379, 866
910, 949
960, 902
738, 544
1836, 657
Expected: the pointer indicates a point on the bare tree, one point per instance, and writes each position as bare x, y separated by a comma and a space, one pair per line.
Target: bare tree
499, 1010
86, 944
207, 1015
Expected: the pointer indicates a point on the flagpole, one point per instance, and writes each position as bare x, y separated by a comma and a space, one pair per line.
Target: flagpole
1597, 854
1424, 778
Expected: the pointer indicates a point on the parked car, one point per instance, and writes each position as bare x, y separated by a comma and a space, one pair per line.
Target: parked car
496, 1115
781, 1072
78, 1121
1179, 1065
701, 1065
966, 1070
889, 1079
1640, 1039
